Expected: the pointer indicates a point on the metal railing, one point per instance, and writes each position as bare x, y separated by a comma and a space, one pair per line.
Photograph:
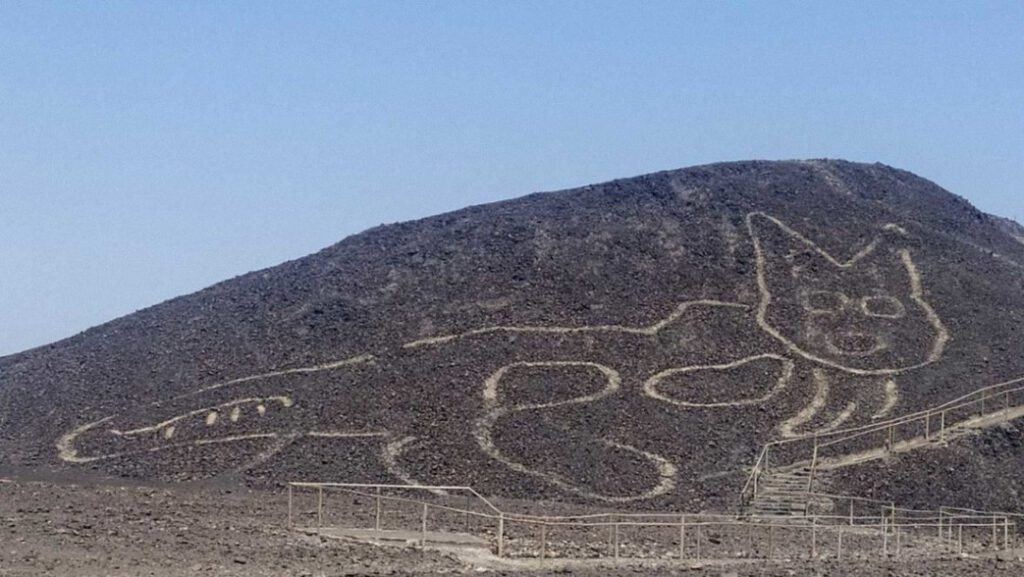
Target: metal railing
378, 510
940, 422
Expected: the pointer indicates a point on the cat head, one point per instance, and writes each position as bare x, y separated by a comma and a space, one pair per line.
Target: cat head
866, 315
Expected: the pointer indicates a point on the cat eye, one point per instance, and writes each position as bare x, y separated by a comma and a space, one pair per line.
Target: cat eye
885, 307
825, 301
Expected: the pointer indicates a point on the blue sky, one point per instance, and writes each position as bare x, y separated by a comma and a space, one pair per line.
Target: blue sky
149, 149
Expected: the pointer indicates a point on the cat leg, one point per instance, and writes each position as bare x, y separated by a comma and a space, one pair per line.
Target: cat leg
809, 420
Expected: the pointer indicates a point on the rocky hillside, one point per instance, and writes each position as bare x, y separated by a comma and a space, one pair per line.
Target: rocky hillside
631, 343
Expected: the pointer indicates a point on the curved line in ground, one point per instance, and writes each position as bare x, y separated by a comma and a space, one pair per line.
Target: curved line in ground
651, 385
391, 452
652, 329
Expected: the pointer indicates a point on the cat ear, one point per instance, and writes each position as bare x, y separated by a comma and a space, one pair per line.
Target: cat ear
778, 244
774, 240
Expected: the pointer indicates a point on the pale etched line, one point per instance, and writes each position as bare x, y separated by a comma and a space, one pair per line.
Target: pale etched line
211, 414
829, 176
821, 390
390, 454
896, 228
651, 385
281, 442
296, 371
218, 441
892, 396
861, 255
835, 423
880, 344
978, 422
345, 435
66, 450
612, 378
917, 294
666, 470
648, 330
986, 251
68, 453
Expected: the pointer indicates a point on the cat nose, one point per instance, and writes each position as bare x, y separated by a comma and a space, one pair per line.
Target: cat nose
856, 344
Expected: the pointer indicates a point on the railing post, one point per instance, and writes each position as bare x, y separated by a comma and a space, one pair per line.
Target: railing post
892, 437
543, 541
377, 512
839, 545
1006, 533
611, 531
320, 507
290, 506
616, 537
501, 534
942, 426
814, 538
995, 532
896, 529
960, 539
1006, 407
928, 425
771, 541
467, 513
682, 537
423, 528
698, 541
757, 477
814, 463
885, 536
750, 540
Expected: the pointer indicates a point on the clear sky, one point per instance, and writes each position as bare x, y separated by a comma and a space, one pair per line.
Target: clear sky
149, 149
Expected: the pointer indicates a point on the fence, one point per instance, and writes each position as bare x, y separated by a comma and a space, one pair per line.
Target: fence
1000, 402
421, 515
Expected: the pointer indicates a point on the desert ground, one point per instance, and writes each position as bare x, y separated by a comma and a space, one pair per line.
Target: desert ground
53, 525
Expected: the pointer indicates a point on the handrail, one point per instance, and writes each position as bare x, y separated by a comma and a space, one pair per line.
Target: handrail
884, 527
469, 490
957, 403
752, 478
631, 519
848, 434
890, 506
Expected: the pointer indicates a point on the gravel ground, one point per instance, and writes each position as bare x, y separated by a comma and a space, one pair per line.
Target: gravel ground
55, 527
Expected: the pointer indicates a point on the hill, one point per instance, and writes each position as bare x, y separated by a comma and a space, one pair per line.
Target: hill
633, 342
